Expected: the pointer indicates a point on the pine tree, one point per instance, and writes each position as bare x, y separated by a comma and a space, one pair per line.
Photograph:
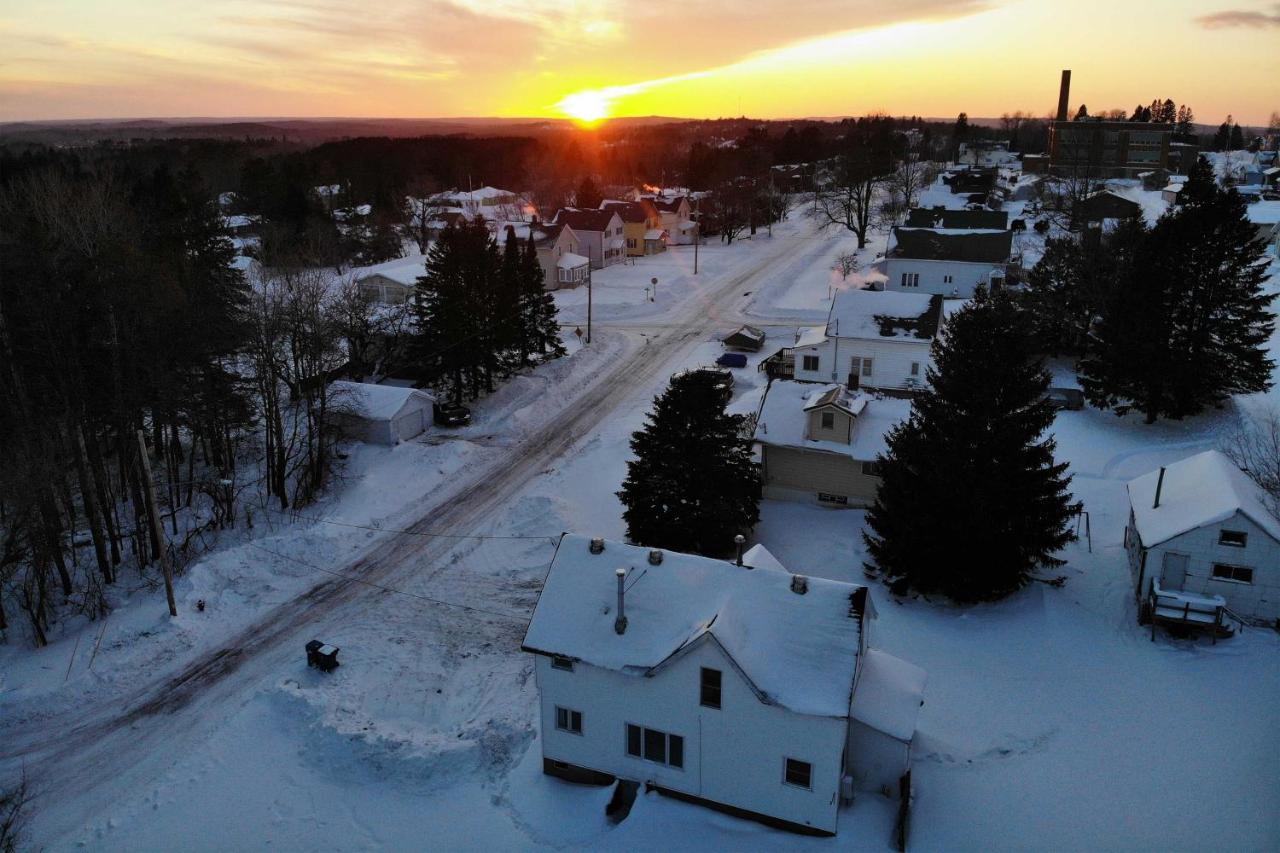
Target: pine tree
971, 500
1188, 322
1186, 121
588, 194
1082, 113
959, 133
693, 485
1236, 140
540, 321
1222, 139
511, 333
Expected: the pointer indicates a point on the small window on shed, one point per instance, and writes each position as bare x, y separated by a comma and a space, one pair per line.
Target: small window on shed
1236, 574
870, 469
828, 420
562, 663
798, 773
1235, 538
810, 362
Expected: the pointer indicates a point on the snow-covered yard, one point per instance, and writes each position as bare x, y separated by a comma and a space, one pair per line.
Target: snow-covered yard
1051, 721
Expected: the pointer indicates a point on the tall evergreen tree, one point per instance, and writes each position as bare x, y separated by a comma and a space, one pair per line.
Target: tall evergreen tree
971, 500
539, 319
1188, 322
1222, 139
1236, 139
588, 194
693, 485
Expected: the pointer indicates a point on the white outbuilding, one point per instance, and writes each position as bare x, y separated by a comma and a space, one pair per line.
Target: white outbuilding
751, 690
1200, 532
381, 414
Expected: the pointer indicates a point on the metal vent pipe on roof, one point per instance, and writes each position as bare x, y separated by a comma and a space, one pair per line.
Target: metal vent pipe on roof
1159, 485
620, 623
739, 540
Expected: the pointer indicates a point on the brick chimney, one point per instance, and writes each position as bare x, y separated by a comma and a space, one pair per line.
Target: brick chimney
1064, 94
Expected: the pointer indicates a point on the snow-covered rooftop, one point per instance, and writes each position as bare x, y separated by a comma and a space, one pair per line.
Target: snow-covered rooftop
404, 271
759, 557
889, 695
376, 402
799, 650
569, 261
1197, 491
884, 314
783, 421
1264, 212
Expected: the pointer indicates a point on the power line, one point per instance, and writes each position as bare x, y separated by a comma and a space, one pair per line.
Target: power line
384, 588
549, 539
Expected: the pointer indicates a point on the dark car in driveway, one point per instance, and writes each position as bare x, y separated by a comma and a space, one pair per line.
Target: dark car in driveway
450, 414
1065, 398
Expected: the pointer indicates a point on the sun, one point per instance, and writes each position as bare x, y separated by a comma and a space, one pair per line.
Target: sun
587, 107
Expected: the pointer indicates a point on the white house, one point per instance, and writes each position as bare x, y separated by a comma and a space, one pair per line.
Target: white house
599, 232
391, 282
1200, 528
873, 339
1265, 216
751, 690
819, 443
381, 414
949, 263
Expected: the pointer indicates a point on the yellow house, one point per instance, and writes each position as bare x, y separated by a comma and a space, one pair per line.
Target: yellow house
641, 226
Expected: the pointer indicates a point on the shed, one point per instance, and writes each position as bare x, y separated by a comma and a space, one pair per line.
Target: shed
381, 414
746, 337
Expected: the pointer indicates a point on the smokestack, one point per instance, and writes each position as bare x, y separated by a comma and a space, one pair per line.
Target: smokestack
620, 623
1064, 94
1159, 486
739, 540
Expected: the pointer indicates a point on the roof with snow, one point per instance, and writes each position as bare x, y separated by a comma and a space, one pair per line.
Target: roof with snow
570, 261
884, 314
797, 650
889, 695
758, 557
1197, 491
377, 402
1264, 212
583, 219
404, 271
992, 247
921, 217
628, 211
784, 422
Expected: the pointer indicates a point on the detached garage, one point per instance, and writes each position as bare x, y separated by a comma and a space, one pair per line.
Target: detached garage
381, 414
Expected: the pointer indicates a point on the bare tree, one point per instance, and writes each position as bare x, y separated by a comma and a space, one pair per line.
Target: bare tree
847, 264
1254, 445
13, 803
850, 201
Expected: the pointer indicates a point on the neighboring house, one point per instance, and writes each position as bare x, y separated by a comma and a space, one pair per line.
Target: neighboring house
600, 234
677, 219
750, 690
927, 260
745, 337
391, 282
1265, 216
971, 182
1106, 204
819, 443
639, 221
560, 255
1172, 193
242, 225
941, 218
1200, 529
381, 414
985, 153
874, 339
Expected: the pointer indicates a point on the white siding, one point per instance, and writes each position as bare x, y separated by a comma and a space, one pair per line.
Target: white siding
965, 276
734, 756
891, 361
1257, 600
795, 474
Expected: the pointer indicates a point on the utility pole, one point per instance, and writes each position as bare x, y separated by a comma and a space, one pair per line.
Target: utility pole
589, 289
697, 238
156, 528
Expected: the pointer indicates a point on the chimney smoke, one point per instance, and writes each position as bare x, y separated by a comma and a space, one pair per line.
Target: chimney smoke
1064, 94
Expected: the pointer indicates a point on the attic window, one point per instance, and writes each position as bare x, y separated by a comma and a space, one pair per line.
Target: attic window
1234, 538
710, 694
562, 663
828, 420
798, 773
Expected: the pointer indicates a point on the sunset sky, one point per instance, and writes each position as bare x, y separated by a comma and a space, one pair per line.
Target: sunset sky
767, 58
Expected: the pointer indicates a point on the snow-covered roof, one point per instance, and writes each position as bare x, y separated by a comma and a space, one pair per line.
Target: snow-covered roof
1173, 188
884, 314
654, 234
239, 220
812, 336
798, 650
377, 402
889, 695
784, 421
570, 261
404, 271
1264, 212
1197, 491
758, 557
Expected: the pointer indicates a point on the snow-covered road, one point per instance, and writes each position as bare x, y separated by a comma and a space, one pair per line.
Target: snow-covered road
84, 755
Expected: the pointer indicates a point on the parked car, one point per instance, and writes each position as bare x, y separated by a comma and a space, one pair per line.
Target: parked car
732, 359
1065, 398
450, 414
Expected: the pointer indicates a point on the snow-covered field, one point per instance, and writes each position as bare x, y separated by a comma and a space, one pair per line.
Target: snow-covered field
1051, 719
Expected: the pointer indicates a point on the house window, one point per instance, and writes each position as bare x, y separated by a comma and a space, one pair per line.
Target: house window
840, 500
710, 693
631, 242
911, 279
798, 773
562, 663
860, 365
656, 746
828, 420
915, 368
946, 279
569, 721
1234, 538
871, 469
1235, 574
810, 362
